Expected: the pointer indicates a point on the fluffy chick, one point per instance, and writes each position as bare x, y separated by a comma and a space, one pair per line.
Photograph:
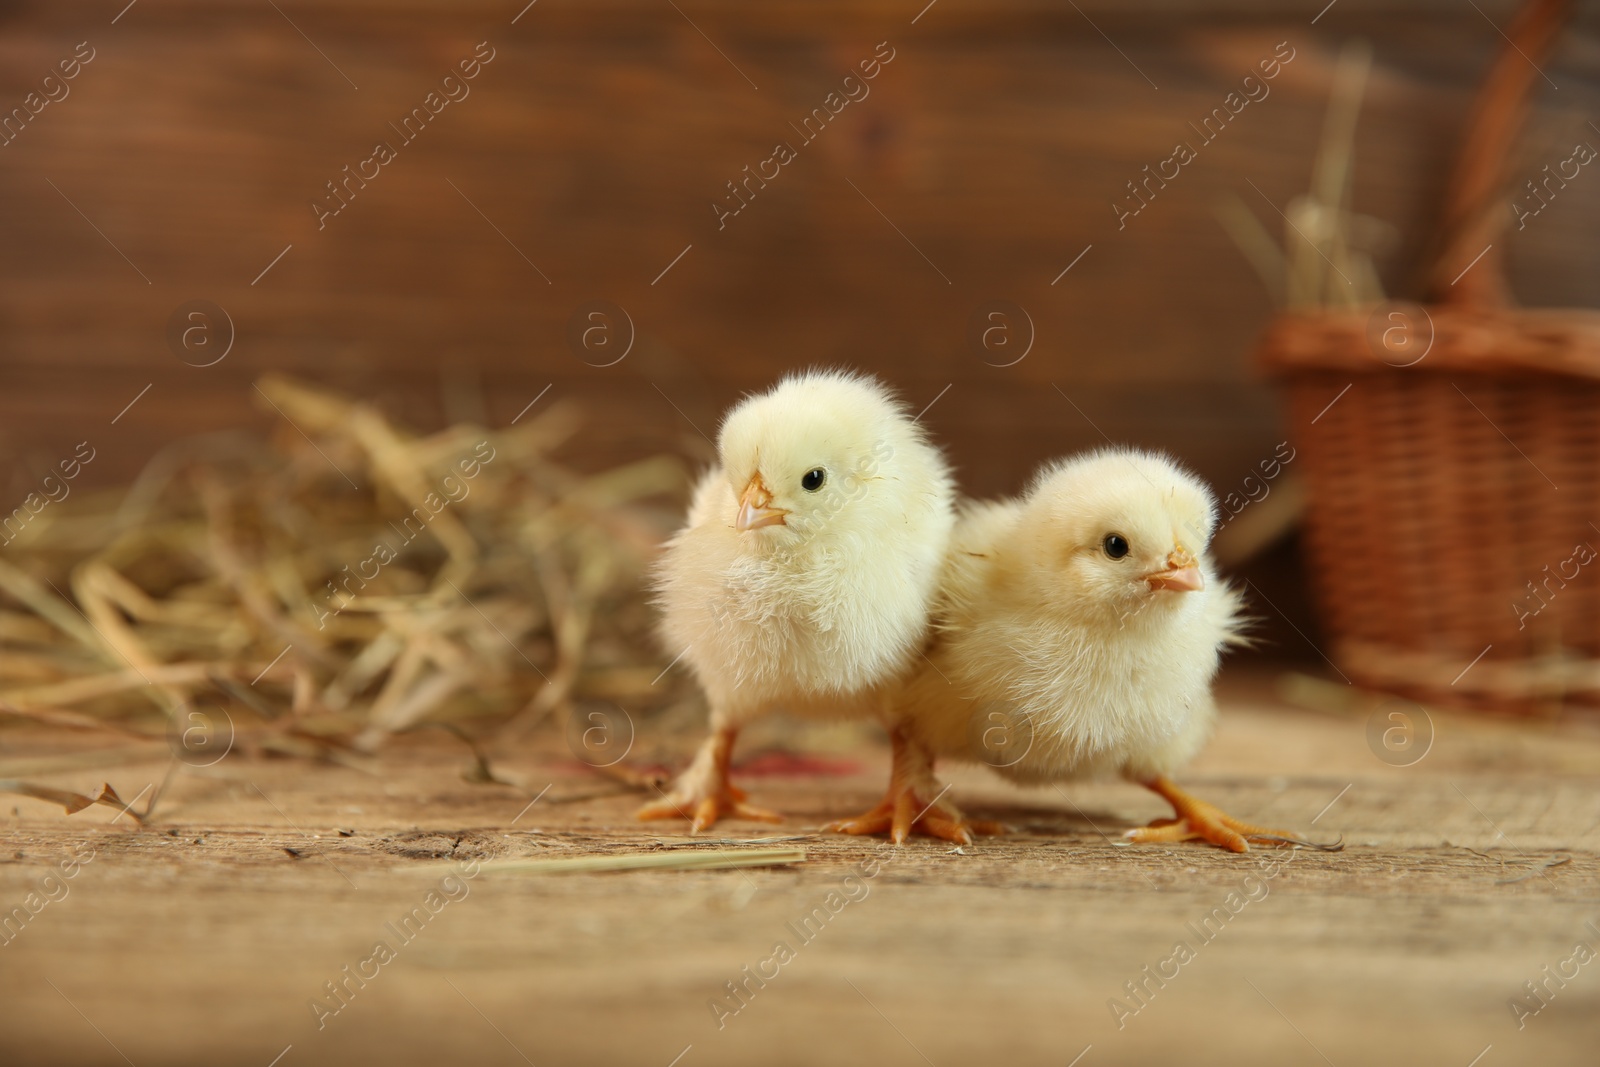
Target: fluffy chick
804, 575
1079, 629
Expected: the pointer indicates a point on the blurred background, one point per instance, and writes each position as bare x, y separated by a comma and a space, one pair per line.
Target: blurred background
982, 171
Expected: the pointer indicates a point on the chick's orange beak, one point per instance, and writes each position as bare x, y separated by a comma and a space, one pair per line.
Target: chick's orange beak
1182, 574
755, 507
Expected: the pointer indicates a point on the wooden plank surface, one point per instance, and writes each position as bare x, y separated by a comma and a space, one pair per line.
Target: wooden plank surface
201, 940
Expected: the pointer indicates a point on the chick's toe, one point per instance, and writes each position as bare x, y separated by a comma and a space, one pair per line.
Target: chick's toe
1197, 820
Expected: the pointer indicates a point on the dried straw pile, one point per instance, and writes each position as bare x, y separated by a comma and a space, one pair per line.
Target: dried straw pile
349, 581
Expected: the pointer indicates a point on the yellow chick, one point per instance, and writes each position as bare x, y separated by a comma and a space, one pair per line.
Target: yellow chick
1078, 632
805, 572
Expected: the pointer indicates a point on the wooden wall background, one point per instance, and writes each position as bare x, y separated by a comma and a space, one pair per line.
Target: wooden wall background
596, 140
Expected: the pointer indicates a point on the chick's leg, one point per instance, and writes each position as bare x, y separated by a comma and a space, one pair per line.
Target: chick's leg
703, 793
915, 803
1198, 820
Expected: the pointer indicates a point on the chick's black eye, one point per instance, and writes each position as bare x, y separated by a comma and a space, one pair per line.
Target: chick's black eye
813, 479
1116, 546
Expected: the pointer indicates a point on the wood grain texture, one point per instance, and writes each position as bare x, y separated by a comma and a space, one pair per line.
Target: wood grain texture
201, 940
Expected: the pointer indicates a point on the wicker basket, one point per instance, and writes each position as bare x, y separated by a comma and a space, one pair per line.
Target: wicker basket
1452, 452
1454, 502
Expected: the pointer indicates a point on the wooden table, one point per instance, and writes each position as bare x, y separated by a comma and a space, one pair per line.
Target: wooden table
206, 936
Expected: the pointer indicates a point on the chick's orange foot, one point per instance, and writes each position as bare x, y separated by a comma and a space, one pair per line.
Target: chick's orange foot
1197, 820
1216, 828
703, 794
904, 810
705, 809
903, 813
